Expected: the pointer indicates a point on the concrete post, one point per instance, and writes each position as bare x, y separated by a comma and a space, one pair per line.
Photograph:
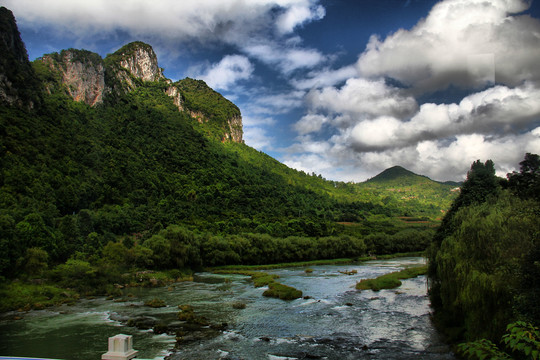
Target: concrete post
120, 348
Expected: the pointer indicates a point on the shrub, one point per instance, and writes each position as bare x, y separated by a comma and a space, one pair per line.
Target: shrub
282, 292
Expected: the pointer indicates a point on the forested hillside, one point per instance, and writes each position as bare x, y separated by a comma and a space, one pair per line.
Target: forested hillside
484, 260
109, 167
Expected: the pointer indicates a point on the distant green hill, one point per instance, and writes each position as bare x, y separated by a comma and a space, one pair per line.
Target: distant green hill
411, 194
397, 174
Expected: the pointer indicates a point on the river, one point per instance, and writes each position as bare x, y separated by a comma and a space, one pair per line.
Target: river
335, 322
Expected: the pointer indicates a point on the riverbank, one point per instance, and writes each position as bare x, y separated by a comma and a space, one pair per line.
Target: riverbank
280, 291
315, 262
35, 294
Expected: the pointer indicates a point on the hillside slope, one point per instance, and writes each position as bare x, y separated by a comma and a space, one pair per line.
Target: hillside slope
397, 174
111, 151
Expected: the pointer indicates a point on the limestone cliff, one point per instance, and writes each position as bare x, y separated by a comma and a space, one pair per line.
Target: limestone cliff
86, 77
18, 82
236, 131
81, 72
141, 61
132, 65
176, 95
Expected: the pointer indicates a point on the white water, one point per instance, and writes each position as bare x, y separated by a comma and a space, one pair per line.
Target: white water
338, 322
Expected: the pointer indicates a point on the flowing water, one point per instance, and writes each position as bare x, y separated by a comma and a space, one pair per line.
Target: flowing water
336, 322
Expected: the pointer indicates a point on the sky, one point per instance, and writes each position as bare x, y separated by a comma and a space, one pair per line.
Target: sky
340, 88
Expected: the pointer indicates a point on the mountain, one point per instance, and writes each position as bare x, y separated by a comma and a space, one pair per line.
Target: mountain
106, 153
397, 174
409, 192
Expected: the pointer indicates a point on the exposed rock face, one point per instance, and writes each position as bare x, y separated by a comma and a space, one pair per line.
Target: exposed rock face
220, 118
234, 132
141, 61
18, 82
82, 72
236, 129
134, 61
174, 92
199, 116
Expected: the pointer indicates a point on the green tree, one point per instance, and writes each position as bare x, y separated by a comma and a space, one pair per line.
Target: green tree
526, 183
35, 261
115, 253
161, 250
141, 257
481, 184
522, 341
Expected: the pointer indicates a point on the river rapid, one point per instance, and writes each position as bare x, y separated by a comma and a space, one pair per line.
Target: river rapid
335, 322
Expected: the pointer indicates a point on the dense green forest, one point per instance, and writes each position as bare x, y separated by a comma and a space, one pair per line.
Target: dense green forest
484, 261
137, 182
75, 178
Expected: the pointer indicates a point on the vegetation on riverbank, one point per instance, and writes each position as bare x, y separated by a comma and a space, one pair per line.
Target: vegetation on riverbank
24, 297
521, 341
483, 262
233, 268
289, 293
79, 281
392, 280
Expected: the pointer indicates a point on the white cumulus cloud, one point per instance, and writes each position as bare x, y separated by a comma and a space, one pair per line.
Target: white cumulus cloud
224, 74
468, 43
298, 14
375, 119
285, 58
228, 21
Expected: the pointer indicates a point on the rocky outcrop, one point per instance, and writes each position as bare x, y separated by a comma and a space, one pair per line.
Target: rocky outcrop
18, 82
88, 78
199, 116
233, 130
82, 73
141, 61
236, 132
131, 65
176, 95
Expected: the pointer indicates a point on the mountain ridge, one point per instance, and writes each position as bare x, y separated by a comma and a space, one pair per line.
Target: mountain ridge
86, 77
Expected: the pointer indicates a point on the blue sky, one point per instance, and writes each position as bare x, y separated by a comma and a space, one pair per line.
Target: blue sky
341, 88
